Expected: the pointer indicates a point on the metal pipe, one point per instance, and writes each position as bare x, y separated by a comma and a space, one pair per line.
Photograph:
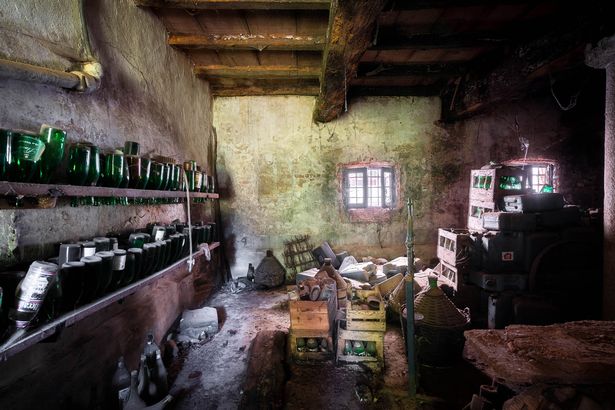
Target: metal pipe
31, 73
409, 279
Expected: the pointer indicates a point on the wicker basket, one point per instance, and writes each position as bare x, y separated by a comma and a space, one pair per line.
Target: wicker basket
439, 334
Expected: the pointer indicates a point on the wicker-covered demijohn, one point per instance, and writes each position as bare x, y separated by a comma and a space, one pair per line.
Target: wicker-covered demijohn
440, 332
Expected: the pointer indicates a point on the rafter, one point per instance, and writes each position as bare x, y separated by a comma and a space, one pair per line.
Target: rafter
240, 91
350, 32
263, 72
248, 42
237, 4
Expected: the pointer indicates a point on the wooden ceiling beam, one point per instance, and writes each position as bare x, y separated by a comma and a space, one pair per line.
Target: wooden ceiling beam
256, 72
350, 33
237, 4
442, 4
401, 38
428, 70
253, 90
415, 91
260, 42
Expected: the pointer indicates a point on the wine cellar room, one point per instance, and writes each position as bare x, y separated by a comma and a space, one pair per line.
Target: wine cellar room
307, 204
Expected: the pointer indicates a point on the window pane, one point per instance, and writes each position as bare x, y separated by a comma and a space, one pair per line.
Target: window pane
374, 193
388, 188
539, 177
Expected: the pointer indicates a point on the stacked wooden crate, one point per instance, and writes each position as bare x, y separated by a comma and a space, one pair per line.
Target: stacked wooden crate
311, 320
364, 326
487, 189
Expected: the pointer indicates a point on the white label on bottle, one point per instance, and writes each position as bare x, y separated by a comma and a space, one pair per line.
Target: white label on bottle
34, 286
123, 394
159, 235
28, 305
89, 251
119, 262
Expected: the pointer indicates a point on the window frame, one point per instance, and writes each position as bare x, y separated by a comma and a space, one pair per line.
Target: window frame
363, 170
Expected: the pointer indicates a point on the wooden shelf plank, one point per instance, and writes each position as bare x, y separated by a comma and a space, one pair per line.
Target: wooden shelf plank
37, 190
82, 312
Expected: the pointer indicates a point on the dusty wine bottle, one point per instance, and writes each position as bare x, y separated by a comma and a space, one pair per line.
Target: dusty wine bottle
120, 385
32, 291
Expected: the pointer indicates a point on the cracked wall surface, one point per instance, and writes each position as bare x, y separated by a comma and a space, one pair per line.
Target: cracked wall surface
148, 94
277, 168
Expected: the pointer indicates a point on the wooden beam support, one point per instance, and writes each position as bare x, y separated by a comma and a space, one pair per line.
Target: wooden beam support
350, 33
242, 91
412, 91
248, 42
426, 70
401, 38
237, 4
263, 72
443, 4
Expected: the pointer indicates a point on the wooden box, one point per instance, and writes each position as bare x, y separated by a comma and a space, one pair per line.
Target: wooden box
475, 214
360, 319
309, 315
485, 183
376, 363
306, 355
455, 246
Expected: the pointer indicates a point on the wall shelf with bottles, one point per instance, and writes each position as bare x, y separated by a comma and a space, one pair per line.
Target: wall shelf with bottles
22, 189
49, 329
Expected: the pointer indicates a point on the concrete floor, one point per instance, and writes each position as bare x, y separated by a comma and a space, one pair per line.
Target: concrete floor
216, 368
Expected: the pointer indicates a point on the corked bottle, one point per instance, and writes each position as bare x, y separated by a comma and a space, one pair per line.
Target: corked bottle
340, 283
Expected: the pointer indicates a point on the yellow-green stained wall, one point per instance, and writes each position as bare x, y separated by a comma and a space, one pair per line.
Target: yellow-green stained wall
277, 172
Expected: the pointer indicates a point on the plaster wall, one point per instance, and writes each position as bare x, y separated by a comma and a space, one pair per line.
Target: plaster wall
278, 173
278, 169
148, 94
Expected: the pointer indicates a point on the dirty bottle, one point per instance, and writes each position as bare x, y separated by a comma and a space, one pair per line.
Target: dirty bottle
143, 386
120, 384
134, 402
160, 378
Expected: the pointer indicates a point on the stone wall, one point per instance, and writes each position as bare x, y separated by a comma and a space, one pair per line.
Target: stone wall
279, 177
148, 94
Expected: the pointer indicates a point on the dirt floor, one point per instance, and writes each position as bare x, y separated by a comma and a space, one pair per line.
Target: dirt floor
216, 368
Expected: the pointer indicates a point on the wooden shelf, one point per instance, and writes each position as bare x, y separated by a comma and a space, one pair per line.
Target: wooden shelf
70, 318
50, 190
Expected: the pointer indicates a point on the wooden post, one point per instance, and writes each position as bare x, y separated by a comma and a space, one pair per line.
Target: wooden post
603, 57
410, 302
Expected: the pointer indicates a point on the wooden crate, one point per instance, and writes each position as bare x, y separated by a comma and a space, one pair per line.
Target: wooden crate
359, 319
454, 246
475, 214
309, 315
306, 356
376, 363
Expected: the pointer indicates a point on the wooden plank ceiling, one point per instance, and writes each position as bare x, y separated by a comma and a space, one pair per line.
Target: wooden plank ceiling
345, 47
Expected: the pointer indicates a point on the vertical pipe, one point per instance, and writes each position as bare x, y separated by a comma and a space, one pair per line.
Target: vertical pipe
410, 302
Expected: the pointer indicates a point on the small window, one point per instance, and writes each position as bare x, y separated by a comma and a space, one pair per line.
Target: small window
542, 173
369, 187
541, 178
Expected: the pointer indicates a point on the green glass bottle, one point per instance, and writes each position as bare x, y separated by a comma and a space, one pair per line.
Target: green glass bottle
146, 166
156, 175
95, 165
26, 152
78, 164
114, 170
55, 141
6, 140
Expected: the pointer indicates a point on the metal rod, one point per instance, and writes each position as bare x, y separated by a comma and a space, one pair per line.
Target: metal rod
410, 302
31, 73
